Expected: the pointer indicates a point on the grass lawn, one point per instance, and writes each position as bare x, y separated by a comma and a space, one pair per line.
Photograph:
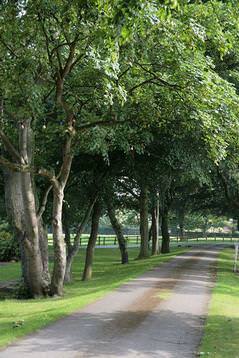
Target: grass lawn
221, 336
108, 274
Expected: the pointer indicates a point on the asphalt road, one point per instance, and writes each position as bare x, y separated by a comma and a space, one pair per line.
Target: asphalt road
160, 314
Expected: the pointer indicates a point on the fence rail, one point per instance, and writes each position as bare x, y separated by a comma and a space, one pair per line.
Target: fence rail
134, 240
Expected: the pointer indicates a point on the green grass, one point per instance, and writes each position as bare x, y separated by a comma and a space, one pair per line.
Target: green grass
108, 274
221, 336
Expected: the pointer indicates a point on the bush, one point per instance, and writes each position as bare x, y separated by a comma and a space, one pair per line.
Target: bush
9, 249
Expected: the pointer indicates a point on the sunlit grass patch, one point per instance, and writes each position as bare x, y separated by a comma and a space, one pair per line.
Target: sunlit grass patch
221, 336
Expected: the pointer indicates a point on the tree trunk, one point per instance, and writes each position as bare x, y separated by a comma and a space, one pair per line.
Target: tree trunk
72, 250
155, 230
58, 185
119, 233
69, 256
31, 244
205, 227
43, 237
15, 185
68, 270
150, 233
181, 217
67, 235
87, 274
34, 278
165, 234
59, 266
144, 231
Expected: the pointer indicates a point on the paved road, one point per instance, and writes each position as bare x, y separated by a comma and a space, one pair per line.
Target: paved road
160, 314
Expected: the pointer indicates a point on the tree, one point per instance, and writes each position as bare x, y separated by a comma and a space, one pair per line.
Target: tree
74, 71
87, 274
52, 59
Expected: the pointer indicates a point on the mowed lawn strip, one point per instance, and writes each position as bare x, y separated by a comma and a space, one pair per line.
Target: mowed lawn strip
221, 336
108, 274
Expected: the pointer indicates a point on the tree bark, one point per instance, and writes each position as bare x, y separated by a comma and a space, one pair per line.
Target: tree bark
144, 231
59, 266
43, 237
16, 203
165, 234
69, 256
155, 230
72, 250
150, 233
181, 217
119, 233
69, 262
205, 227
87, 274
67, 235
58, 185
33, 265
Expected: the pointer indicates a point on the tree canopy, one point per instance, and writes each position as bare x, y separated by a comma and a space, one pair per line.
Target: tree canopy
114, 105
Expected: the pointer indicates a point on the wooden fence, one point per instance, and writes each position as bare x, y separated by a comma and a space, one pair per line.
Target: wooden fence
134, 240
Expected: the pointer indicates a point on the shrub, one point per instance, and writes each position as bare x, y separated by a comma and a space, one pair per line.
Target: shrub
9, 249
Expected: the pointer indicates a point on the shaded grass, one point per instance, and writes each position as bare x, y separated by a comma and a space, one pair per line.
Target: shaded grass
221, 336
9, 271
108, 274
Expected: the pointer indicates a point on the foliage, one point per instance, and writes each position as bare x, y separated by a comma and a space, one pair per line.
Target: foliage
144, 91
9, 248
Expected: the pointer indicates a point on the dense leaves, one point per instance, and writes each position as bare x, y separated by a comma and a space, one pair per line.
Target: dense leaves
142, 93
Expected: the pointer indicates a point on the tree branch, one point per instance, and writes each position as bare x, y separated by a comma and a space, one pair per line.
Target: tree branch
82, 224
129, 190
10, 147
99, 123
13, 166
67, 160
8, 47
47, 40
42, 207
148, 81
156, 77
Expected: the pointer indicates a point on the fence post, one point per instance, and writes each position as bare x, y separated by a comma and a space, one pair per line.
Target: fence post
115, 241
99, 240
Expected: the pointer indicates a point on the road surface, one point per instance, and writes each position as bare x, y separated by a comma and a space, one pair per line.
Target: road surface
159, 314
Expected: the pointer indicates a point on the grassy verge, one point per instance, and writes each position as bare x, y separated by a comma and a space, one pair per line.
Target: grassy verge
222, 327
108, 274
